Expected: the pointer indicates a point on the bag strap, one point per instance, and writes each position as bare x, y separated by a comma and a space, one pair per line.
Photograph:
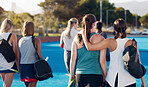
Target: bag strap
33, 42
9, 36
137, 57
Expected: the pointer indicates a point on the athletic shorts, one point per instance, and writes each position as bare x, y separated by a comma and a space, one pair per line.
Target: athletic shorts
89, 80
27, 73
9, 71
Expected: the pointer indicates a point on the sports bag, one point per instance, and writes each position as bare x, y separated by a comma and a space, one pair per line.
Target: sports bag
41, 67
131, 61
6, 50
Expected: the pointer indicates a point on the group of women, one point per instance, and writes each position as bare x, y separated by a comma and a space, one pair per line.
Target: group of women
25, 54
84, 54
86, 60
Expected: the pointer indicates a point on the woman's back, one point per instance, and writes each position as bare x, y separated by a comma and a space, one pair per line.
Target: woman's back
88, 61
2, 59
117, 65
27, 50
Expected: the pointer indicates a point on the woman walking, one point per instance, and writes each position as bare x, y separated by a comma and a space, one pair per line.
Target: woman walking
28, 54
91, 65
5, 68
66, 40
117, 76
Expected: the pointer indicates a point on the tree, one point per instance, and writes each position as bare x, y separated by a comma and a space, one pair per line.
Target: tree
19, 19
1, 10
144, 20
61, 9
1, 14
65, 9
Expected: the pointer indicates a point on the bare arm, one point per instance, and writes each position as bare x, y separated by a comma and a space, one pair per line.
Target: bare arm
103, 63
61, 41
98, 46
142, 78
97, 39
38, 46
73, 59
13, 41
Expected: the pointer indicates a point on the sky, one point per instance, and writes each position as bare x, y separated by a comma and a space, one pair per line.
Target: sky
28, 5
120, 1
31, 5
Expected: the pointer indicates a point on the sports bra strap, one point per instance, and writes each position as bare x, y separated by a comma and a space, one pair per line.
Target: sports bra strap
9, 36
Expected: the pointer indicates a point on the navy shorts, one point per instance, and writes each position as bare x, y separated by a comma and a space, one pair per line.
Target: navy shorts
27, 73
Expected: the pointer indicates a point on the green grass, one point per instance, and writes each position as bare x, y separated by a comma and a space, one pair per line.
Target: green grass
49, 34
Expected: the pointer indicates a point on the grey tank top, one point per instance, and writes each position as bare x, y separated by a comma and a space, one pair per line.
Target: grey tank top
27, 50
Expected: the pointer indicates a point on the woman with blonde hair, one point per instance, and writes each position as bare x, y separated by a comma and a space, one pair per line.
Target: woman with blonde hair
6, 68
117, 76
66, 40
28, 54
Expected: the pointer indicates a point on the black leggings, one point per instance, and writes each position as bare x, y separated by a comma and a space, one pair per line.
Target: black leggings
116, 83
89, 80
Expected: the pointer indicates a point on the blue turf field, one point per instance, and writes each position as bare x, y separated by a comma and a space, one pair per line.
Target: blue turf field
56, 61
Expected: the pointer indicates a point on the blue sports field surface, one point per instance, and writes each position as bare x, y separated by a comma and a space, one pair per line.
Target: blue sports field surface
56, 61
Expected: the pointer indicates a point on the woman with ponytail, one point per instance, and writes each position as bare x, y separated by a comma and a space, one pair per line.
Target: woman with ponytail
66, 40
117, 76
91, 65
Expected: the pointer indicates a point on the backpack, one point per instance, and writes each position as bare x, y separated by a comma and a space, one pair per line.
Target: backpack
131, 61
41, 67
6, 50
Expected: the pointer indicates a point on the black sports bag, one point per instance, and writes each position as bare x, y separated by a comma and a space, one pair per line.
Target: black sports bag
131, 61
42, 69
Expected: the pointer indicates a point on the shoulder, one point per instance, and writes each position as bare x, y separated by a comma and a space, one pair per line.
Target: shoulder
37, 40
96, 38
13, 35
21, 39
63, 33
78, 39
128, 43
111, 41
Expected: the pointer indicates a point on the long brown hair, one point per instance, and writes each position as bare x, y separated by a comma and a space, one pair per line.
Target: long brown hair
120, 27
28, 29
69, 26
87, 23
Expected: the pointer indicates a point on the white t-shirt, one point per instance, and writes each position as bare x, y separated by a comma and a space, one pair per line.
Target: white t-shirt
66, 41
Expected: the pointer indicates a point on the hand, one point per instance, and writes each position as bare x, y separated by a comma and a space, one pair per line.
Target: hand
71, 78
18, 72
